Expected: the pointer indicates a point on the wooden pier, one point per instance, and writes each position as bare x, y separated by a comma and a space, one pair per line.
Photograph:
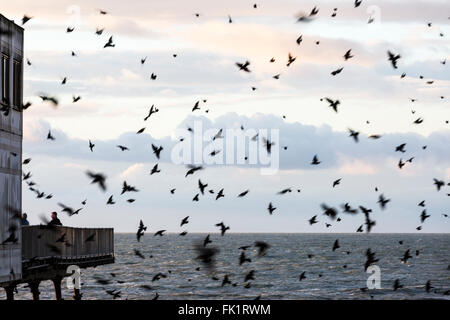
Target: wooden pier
47, 253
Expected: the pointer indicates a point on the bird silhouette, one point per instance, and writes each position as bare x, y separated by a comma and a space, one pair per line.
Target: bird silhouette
383, 201
110, 43
271, 208
393, 58
98, 178
243, 66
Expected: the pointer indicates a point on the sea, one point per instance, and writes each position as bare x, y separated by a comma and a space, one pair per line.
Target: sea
329, 274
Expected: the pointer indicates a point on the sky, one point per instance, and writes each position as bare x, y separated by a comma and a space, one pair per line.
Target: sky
116, 94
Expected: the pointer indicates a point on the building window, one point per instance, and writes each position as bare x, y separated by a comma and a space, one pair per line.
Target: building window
5, 79
17, 92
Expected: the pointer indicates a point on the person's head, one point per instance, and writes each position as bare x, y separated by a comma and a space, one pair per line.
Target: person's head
54, 215
24, 216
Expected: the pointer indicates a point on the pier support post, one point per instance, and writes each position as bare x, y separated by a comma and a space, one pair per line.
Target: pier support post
10, 292
57, 284
34, 288
76, 294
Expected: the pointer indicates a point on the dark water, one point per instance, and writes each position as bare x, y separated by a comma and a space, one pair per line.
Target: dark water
277, 273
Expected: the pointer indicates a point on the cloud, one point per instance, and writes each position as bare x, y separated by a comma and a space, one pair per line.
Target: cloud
335, 149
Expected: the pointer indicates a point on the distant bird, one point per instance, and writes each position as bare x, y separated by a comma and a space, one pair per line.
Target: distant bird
206, 240
348, 55
271, 208
354, 134
128, 188
336, 245
268, 144
202, 186
70, 212
438, 183
315, 160
291, 59
302, 276
153, 110
159, 276
243, 194
313, 220
337, 71
157, 150
91, 146
193, 169
110, 43
153, 76
123, 148
249, 276
243, 66
76, 99
284, 191
370, 259
424, 216
26, 18
140, 131
159, 233
243, 258
110, 200
329, 211
143, 60
406, 256
70, 29
99, 31
333, 104
348, 209
184, 221
155, 169
383, 201
140, 231
223, 228
225, 280
98, 178
401, 148
302, 17
262, 247
220, 194
53, 100
337, 182
206, 256
393, 58
299, 40
428, 286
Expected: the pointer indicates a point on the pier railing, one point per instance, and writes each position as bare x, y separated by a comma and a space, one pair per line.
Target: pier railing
66, 244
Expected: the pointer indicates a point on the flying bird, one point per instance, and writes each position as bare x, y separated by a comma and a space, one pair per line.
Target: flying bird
110, 43
243, 66
393, 58
98, 178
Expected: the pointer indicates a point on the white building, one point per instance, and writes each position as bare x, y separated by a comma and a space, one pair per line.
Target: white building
11, 86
